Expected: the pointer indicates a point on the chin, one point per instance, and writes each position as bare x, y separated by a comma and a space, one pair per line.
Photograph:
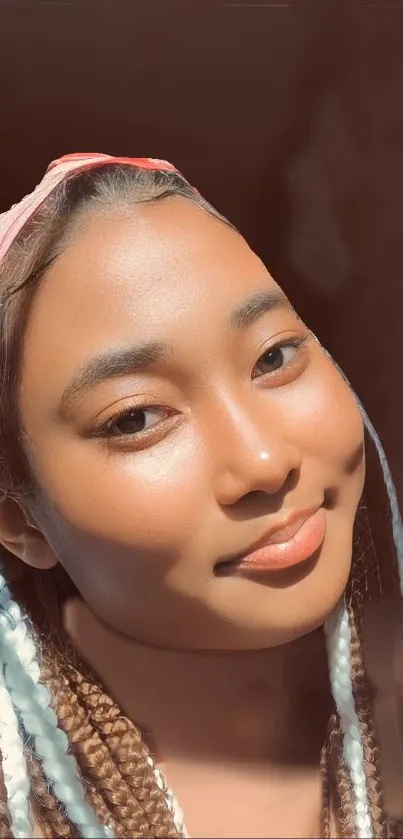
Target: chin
269, 637
267, 614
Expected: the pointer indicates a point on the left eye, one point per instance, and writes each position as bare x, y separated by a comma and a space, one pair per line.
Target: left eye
274, 359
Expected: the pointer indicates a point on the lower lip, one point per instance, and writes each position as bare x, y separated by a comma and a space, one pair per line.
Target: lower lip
305, 542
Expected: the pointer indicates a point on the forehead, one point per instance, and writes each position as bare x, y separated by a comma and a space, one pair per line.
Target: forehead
166, 272
149, 261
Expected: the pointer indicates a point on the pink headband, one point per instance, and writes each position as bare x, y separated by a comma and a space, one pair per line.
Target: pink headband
12, 221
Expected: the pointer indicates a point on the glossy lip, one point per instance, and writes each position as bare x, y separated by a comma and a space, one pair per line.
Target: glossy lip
278, 548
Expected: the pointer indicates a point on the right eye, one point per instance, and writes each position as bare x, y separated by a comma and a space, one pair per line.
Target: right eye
134, 422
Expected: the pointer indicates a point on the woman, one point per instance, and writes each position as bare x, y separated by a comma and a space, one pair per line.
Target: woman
182, 512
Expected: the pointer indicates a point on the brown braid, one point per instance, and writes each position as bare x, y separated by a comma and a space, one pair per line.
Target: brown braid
112, 756
326, 797
370, 747
365, 586
102, 810
5, 830
128, 750
45, 806
96, 761
340, 786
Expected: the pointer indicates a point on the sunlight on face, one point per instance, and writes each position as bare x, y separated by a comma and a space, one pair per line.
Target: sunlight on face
178, 411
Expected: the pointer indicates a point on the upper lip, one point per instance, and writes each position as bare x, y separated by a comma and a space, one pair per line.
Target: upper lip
280, 532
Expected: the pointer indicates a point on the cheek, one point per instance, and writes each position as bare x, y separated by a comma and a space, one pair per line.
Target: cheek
147, 500
329, 419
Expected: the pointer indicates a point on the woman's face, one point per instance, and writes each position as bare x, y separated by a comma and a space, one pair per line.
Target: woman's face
179, 412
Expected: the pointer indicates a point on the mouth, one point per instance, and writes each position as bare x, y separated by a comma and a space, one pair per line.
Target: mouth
289, 544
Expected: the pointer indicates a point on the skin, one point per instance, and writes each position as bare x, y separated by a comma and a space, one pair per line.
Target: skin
241, 439
139, 526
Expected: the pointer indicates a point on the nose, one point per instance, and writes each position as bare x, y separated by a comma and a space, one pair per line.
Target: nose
251, 455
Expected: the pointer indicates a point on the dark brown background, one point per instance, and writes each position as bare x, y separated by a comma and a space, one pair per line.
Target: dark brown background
288, 118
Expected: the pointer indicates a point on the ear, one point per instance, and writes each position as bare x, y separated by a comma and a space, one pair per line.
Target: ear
23, 538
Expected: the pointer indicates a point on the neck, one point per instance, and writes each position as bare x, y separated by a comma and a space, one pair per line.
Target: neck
255, 706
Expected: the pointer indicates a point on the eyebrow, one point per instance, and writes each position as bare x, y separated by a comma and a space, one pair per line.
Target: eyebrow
125, 361
128, 361
259, 304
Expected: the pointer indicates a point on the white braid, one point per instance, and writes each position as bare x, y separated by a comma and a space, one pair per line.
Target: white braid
338, 638
338, 630
40, 721
32, 701
397, 528
170, 800
16, 778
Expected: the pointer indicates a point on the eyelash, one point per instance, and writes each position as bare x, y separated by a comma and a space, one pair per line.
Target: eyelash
297, 342
105, 431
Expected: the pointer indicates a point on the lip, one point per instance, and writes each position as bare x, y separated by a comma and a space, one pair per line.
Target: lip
291, 542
